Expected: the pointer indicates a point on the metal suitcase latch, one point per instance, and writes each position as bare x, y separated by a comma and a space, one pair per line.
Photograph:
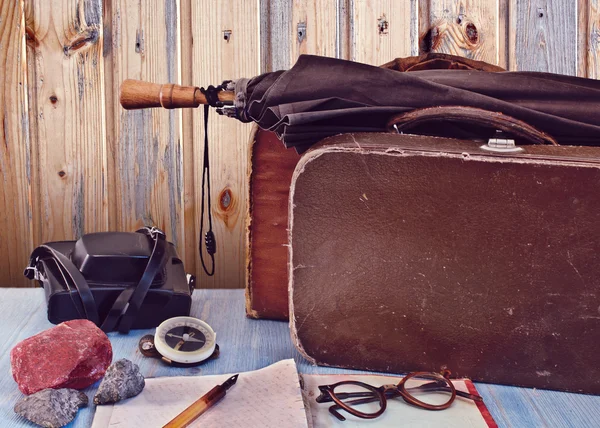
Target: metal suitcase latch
501, 144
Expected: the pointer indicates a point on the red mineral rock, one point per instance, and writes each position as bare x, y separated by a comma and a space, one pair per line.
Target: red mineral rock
74, 354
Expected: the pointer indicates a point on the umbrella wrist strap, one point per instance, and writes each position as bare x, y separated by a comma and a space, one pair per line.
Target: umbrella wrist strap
209, 238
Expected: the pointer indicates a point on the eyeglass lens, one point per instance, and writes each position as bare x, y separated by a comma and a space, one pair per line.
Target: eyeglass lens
429, 389
359, 398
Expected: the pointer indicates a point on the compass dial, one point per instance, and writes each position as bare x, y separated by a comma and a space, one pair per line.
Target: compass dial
185, 339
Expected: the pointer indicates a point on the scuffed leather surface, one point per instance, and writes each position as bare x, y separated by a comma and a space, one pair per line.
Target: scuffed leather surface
405, 258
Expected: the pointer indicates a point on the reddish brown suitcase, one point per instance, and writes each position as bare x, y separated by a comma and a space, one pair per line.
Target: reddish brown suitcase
271, 169
421, 253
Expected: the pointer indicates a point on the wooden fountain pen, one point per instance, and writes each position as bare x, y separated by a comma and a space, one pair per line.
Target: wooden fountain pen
201, 405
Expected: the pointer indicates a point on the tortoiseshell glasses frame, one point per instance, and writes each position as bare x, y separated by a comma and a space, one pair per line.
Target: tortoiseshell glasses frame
348, 401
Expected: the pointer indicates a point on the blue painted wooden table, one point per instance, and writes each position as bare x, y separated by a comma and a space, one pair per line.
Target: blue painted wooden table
251, 344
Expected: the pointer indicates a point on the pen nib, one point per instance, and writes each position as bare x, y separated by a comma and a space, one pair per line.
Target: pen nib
230, 382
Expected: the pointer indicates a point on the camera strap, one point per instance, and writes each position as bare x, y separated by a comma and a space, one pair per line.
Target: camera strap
127, 305
85, 305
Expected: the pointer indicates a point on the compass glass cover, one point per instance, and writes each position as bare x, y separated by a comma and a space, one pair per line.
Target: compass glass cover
185, 338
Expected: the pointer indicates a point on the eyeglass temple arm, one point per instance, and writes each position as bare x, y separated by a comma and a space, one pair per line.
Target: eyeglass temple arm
427, 387
334, 409
435, 386
326, 398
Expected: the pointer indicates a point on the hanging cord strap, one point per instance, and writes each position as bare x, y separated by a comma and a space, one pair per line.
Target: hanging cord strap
212, 93
212, 97
209, 238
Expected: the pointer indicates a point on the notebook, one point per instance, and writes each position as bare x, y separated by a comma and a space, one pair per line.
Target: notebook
269, 397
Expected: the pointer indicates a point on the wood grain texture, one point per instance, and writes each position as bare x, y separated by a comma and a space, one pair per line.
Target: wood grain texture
462, 27
215, 59
276, 34
589, 27
254, 344
190, 207
36, 203
16, 237
81, 163
543, 36
68, 102
314, 28
503, 32
146, 144
380, 30
344, 22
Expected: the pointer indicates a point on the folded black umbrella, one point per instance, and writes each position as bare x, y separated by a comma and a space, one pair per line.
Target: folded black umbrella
320, 97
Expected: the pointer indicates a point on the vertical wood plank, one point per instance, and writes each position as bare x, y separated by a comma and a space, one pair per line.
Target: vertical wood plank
275, 34
344, 22
503, 33
190, 207
68, 102
36, 203
226, 46
590, 28
146, 144
314, 28
16, 237
380, 30
545, 36
466, 28
110, 107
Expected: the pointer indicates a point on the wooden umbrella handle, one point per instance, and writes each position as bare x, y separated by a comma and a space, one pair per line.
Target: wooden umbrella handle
136, 94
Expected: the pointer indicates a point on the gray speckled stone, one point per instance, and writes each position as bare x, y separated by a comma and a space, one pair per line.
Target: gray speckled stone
122, 380
52, 408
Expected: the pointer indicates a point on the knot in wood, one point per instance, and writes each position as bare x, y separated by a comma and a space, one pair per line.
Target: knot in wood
225, 199
472, 33
228, 208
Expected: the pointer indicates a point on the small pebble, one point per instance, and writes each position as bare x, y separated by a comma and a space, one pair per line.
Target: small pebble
122, 380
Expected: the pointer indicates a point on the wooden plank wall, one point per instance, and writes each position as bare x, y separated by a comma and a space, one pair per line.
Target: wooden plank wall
16, 228
73, 161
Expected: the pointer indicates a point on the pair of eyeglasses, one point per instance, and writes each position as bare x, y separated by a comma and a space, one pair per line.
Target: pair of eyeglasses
427, 390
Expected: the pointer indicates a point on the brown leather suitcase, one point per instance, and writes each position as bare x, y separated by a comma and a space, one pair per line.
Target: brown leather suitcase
422, 253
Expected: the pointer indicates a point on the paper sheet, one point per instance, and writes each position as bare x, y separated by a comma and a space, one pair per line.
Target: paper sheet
463, 413
269, 397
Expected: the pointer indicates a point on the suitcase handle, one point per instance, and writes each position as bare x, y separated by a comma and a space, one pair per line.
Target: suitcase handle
470, 115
